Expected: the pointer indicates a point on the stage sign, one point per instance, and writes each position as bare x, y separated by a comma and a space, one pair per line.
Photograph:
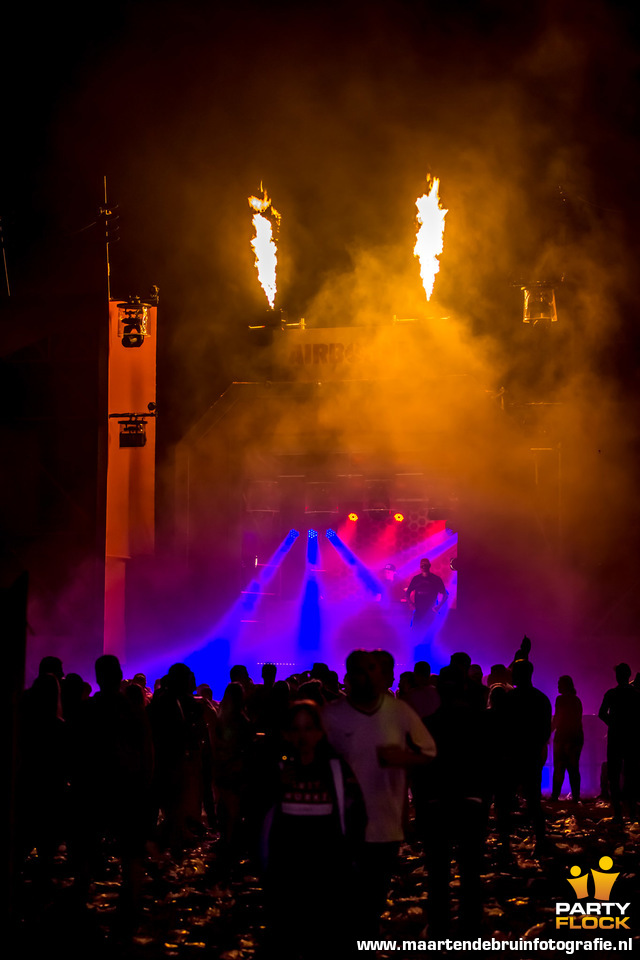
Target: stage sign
356, 353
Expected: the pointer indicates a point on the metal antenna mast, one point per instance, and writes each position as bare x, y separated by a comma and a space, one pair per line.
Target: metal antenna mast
4, 260
106, 238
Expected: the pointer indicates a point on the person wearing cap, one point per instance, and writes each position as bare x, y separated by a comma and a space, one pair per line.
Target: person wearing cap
392, 591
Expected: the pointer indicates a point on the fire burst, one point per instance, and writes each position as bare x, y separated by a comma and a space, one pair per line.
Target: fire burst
430, 238
264, 244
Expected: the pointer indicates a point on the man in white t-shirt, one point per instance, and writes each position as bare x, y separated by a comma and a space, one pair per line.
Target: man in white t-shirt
379, 737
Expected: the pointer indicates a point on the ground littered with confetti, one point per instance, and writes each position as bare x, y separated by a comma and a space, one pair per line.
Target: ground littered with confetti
194, 908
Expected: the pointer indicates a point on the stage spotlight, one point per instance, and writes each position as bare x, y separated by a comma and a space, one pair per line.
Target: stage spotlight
291, 537
133, 322
371, 582
312, 547
539, 302
353, 517
453, 563
133, 432
398, 517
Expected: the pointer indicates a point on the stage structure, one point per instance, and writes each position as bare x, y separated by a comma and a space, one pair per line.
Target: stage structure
305, 503
130, 511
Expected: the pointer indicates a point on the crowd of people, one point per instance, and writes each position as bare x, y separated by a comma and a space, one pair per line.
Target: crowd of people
316, 781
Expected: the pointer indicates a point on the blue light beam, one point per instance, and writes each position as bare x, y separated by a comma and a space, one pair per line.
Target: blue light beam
432, 547
248, 599
370, 581
310, 620
256, 588
312, 548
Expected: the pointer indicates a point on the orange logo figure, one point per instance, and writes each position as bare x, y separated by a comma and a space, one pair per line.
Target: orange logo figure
580, 884
603, 881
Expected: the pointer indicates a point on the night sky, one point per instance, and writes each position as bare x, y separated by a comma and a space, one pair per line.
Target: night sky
527, 113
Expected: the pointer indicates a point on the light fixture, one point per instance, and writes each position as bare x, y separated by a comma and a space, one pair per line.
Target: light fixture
312, 547
133, 426
539, 302
133, 433
133, 322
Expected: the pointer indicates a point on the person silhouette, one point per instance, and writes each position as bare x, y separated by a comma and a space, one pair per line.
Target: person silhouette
450, 804
568, 739
620, 711
111, 780
531, 724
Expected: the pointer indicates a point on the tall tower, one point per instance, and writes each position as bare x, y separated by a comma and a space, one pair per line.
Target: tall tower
130, 514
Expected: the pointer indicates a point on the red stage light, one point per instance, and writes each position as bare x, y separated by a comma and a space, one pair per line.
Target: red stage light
399, 517
353, 516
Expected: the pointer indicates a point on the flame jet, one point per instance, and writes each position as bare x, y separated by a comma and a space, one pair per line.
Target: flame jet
264, 244
430, 237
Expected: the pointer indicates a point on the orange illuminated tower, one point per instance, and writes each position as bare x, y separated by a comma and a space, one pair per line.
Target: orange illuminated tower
130, 516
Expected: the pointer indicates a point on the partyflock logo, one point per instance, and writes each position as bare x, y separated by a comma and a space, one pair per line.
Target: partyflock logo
593, 909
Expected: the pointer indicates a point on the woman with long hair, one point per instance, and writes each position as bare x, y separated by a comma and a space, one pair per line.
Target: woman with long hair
568, 739
313, 823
